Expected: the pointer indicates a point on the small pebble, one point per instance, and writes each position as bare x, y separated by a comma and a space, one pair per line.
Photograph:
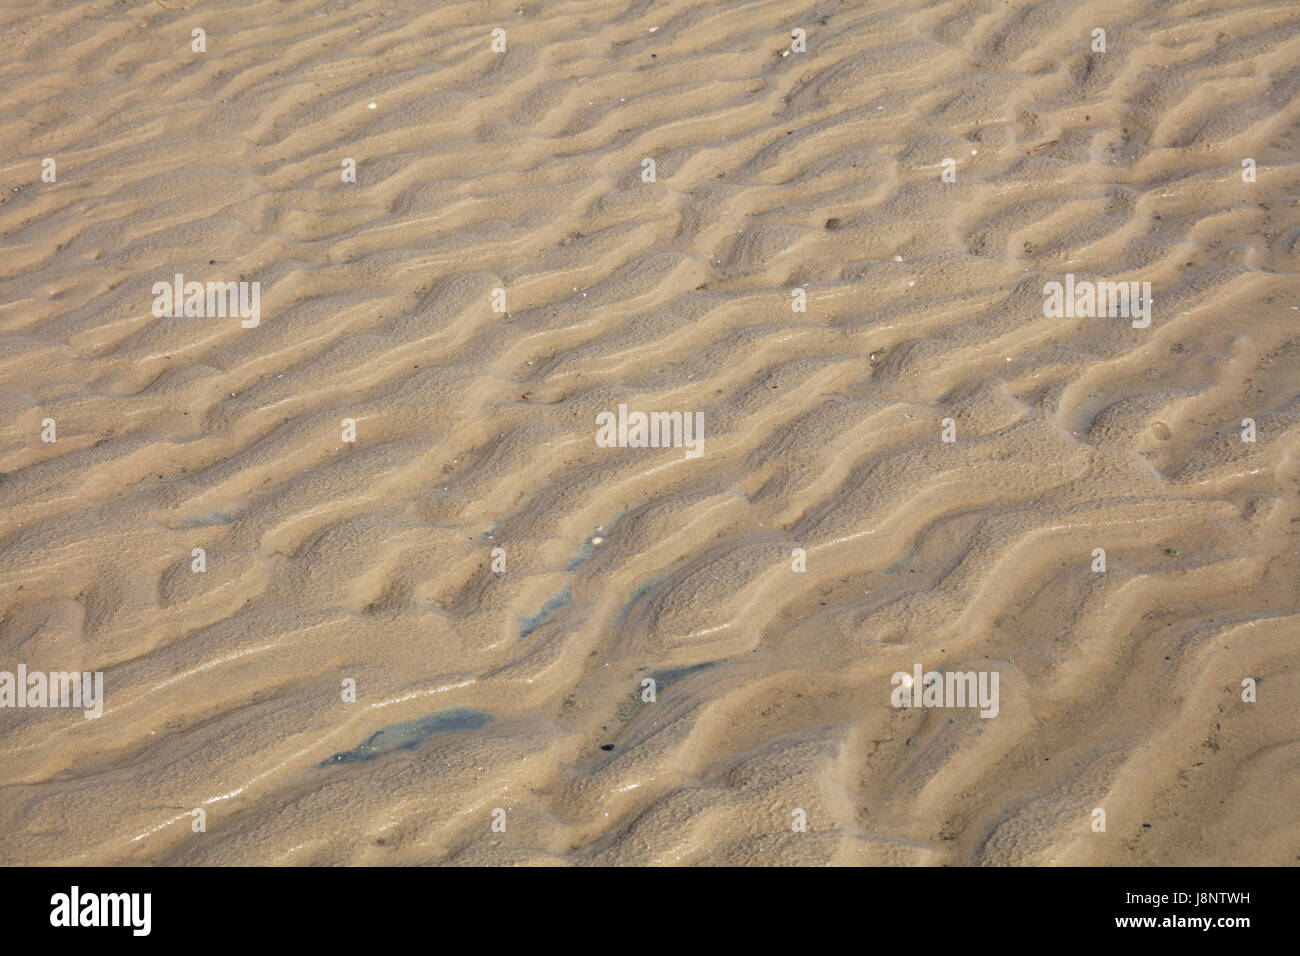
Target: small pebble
1172, 552
834, 224
606, 746
912, 741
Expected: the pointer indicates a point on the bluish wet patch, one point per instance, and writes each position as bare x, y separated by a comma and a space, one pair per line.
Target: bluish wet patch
665, 677
202, 521
582, 557
587, 549
409, 735
553, 604
902, 564
626, 609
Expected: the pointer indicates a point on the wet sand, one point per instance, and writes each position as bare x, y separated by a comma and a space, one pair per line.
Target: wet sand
826, 537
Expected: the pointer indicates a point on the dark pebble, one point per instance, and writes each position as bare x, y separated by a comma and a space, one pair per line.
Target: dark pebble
834, 224
911, 741
606, 746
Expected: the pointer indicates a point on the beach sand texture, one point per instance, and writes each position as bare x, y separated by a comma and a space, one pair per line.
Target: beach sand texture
371, 560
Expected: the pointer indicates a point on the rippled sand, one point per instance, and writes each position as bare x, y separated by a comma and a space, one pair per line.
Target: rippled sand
371, 561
